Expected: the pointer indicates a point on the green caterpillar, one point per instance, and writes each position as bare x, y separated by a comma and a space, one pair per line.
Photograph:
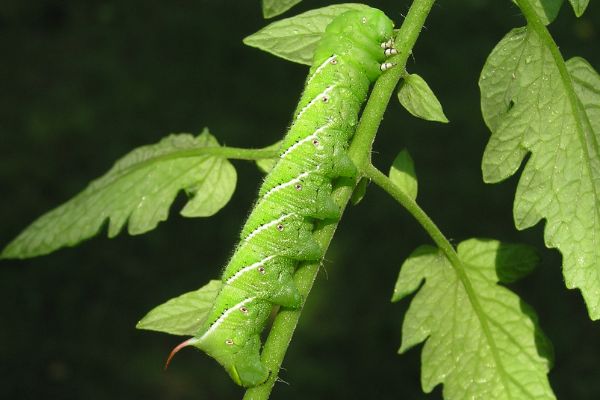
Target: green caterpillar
278, 232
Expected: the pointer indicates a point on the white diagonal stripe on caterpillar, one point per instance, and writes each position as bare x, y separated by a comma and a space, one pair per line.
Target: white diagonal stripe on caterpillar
298, 143
266, 226
306, 139
285, 184
248, 268
318, 70
224, 316
315, 100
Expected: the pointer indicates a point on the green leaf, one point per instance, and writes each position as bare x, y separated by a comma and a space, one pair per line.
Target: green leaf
273, 8
295, 38
535, 104
359, 191
481, 340
402, 173
546, 10
267, 164
579, 6
183, 315
418, 99
138, 189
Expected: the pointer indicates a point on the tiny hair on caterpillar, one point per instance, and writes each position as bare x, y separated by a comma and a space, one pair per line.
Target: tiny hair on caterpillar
296, 193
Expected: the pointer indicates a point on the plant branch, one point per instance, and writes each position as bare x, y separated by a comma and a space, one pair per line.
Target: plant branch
417, 212
360, 151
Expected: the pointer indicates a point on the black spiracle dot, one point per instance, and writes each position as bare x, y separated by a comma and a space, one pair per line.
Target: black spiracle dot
298, 186
325, 99
315, 142
280, 227
261, 270
333, 62
229, 342
244, 309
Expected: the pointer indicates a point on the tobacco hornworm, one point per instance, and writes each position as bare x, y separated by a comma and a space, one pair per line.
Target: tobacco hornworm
297, 191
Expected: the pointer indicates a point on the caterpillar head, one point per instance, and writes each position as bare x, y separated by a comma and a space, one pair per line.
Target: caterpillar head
378, 25
355, 36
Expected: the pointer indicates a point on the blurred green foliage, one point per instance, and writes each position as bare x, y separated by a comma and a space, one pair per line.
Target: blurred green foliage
85, 82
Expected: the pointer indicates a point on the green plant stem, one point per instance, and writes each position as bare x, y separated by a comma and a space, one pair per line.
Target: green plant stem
381, 180
360, 151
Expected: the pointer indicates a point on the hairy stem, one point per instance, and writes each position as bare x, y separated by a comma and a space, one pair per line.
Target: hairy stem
360, 151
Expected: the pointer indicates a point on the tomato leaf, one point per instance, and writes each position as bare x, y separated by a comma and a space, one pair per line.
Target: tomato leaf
481, 340
535, 103
138, 191
296, 38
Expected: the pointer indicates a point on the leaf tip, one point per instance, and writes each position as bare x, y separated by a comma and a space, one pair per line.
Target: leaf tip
443, 119
141, 324
247, 40
5, 253
400, 293
489, 175
15, 251
402, 349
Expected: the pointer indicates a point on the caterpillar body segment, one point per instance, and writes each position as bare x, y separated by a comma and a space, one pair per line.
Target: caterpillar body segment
322, 150
275, 283
315, 202
297, 191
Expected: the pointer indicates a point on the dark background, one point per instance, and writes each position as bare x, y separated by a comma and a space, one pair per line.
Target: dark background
83, 82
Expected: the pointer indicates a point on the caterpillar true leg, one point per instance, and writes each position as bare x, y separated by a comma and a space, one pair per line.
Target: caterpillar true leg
389, 50
387, 44
386, 65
